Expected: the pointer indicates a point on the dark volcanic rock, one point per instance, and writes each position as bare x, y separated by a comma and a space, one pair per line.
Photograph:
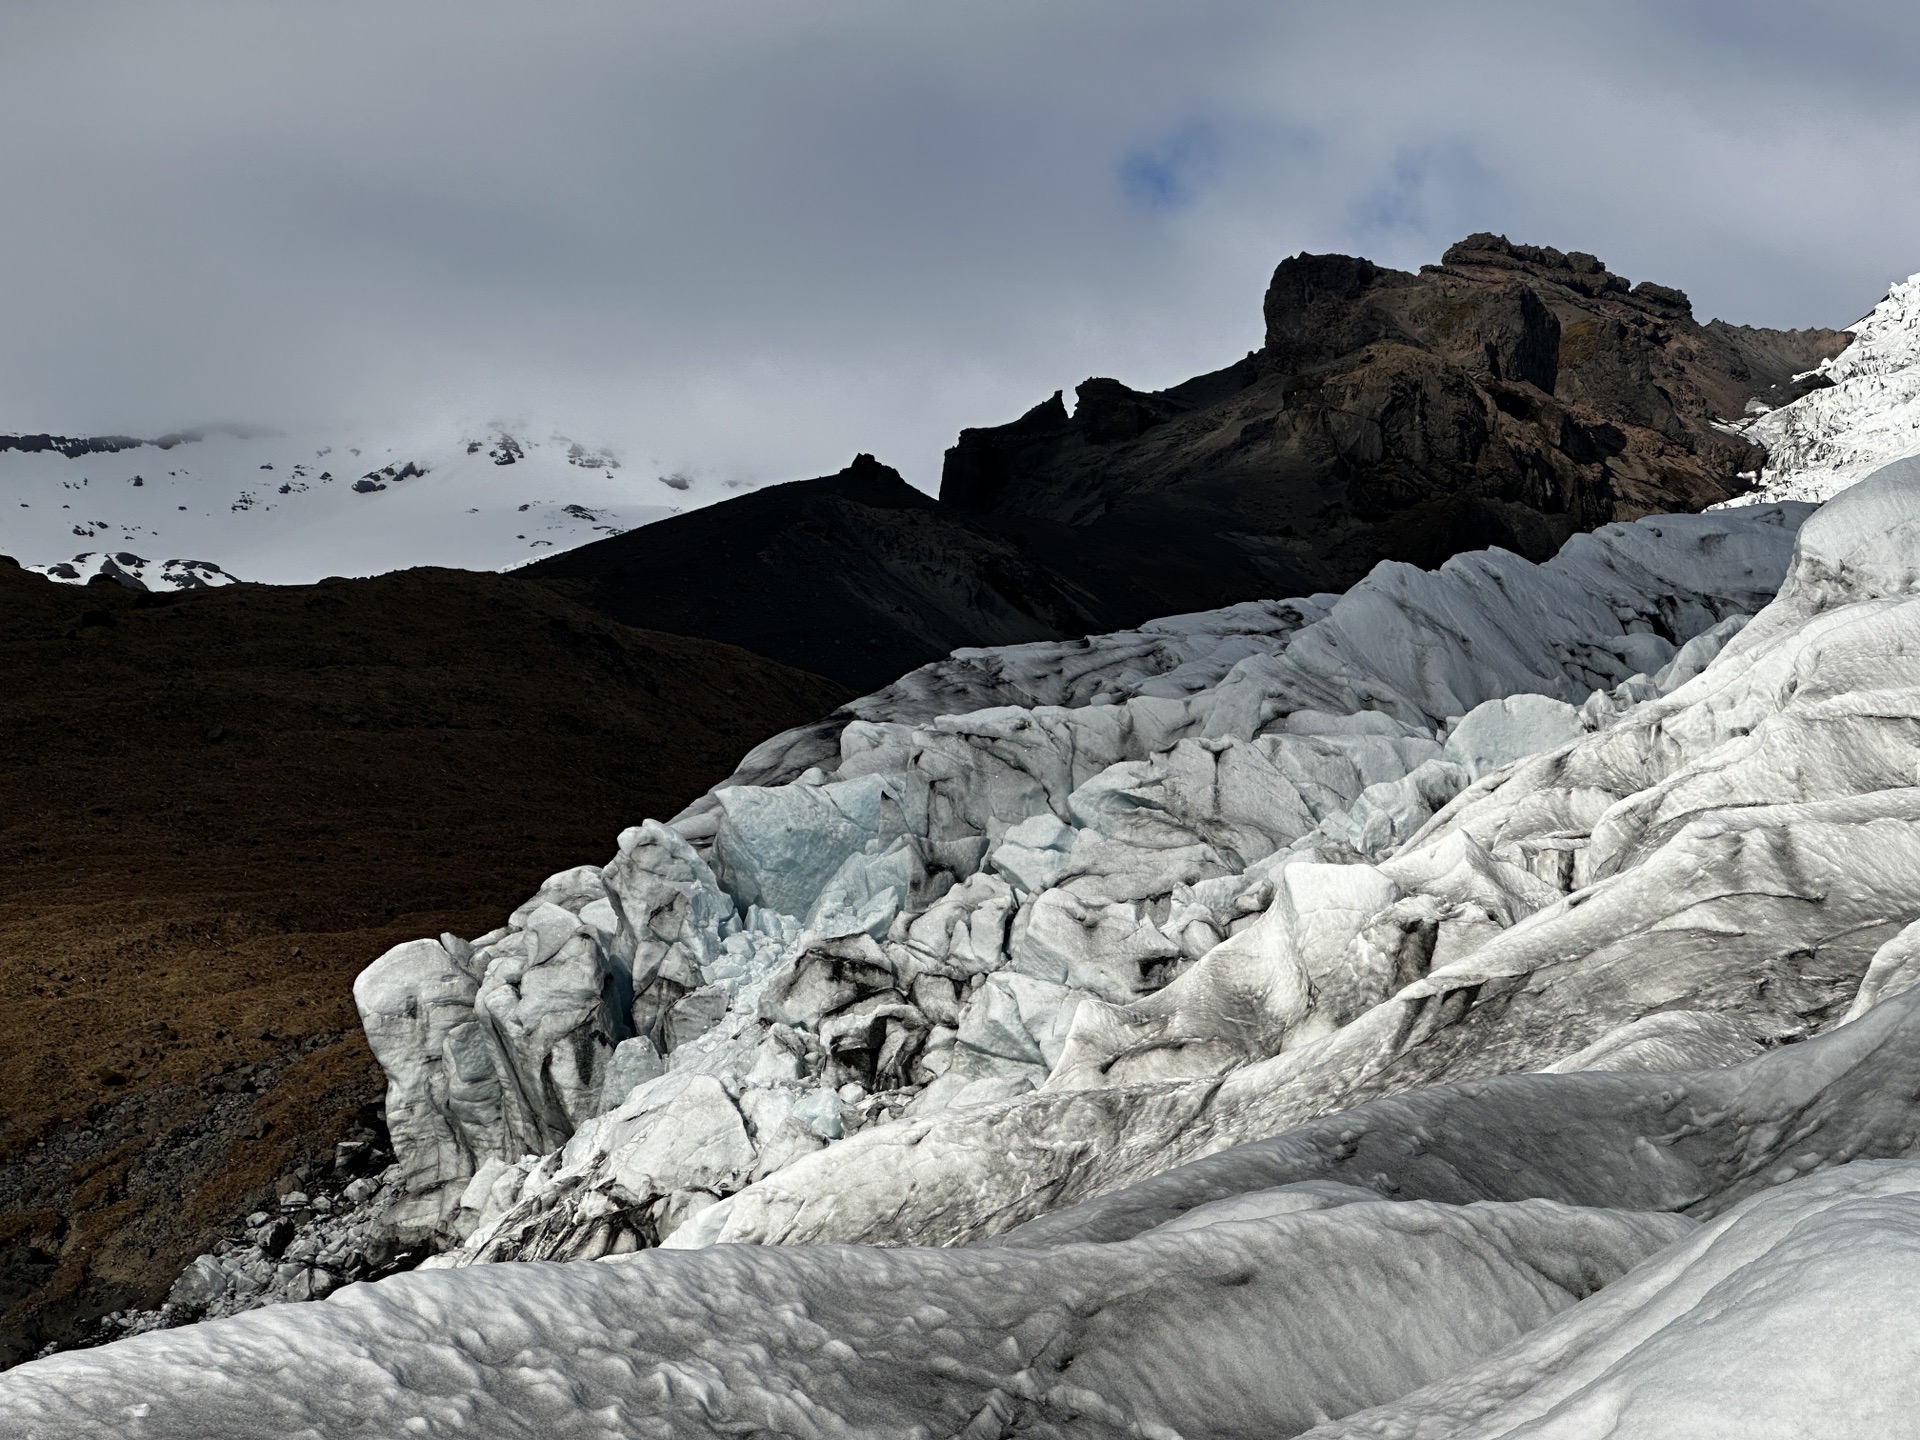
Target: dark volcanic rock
74, 446
1511, 395
856, 576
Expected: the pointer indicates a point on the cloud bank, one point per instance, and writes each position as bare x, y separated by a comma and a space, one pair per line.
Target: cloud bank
752, 238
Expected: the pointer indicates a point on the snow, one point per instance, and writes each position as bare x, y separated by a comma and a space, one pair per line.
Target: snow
1870, 416
294, 508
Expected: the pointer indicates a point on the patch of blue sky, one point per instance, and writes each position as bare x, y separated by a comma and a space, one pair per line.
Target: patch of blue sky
1169, 174
1428, 192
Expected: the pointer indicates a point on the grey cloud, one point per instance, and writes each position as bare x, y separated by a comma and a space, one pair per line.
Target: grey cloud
753, 238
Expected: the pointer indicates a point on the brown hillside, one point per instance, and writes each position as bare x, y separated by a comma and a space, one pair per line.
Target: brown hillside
216, 807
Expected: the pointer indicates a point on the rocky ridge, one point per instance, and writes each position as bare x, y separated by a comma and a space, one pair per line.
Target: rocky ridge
1510, 395
135, 572
857, 576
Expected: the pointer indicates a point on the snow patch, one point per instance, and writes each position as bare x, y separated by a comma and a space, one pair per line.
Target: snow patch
295, 508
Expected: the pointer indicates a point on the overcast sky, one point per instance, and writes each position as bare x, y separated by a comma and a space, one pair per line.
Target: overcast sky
754, 238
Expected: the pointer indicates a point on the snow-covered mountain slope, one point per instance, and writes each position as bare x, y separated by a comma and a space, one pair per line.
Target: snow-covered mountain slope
208, 507
1360, 1002
1869, 415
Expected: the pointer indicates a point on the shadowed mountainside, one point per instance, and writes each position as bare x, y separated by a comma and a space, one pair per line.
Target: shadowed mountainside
857, 575
1512, 395
220, 806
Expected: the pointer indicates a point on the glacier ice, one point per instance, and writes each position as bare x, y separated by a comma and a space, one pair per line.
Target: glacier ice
1792, 1315
1499, 732
1467, 1005
1701, 881
1259, 1292
416, 1006
1351, 1305
1628, 1138
1143, 856
1865, 417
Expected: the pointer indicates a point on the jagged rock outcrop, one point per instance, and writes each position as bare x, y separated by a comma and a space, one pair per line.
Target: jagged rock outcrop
857, 576
1511, 395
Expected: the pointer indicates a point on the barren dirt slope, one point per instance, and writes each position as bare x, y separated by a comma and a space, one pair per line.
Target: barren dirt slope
217, 806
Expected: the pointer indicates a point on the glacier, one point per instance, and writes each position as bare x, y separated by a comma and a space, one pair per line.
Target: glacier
895, 918
1480, 1003
1866, 415
1790, 1316
1079, 1339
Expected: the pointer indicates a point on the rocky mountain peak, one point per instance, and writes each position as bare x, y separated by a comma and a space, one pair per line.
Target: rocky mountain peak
1494, 256
1575, 269
1511, 395
1319, 303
